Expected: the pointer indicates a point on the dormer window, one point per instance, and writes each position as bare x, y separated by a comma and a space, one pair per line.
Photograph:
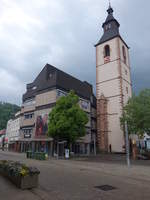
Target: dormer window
106, 51
34, 88
50, 75
124, 54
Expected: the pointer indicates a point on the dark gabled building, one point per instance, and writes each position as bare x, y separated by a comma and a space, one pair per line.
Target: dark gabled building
41, 97
52, 78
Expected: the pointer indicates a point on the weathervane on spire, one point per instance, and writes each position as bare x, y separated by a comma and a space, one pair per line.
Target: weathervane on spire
110, 10
109, 4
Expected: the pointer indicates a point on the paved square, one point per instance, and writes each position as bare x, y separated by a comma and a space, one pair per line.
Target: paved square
76, 180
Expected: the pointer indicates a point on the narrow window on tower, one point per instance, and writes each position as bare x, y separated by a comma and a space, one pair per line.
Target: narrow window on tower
127, 90
124, 54
106, 51
106, 54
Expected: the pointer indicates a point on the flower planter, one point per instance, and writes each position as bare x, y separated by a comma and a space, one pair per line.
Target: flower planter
27, 181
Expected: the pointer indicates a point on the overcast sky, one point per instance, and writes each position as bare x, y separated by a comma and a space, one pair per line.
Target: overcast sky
63, 33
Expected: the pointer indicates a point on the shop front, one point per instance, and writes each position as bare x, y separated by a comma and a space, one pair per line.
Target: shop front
37, 145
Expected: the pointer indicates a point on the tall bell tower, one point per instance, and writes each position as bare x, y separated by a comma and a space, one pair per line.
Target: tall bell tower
113, 85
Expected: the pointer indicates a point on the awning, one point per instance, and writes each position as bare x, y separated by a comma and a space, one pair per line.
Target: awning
12, 142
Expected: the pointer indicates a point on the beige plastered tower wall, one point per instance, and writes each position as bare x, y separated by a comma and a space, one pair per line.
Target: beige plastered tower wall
113, 81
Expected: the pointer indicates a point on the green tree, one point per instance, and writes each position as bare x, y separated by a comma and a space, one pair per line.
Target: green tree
7, 111
137, 113
67, 120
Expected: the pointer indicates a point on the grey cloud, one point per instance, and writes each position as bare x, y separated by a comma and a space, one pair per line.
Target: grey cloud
63, 33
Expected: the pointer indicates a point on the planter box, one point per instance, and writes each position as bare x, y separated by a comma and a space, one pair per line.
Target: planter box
28, 181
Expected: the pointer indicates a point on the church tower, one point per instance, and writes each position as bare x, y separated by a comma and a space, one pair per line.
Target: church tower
113, 85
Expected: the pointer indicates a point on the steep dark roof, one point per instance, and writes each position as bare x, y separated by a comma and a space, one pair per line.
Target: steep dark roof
68, 82
108, 36
51, 77
111, 28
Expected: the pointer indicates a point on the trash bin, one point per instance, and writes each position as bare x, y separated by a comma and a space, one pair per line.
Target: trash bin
27, 154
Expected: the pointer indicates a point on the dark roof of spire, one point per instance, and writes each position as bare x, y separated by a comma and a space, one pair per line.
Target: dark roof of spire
110, 17
113, 31
108, 36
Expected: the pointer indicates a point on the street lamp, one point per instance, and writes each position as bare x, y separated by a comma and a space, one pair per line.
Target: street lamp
127, 145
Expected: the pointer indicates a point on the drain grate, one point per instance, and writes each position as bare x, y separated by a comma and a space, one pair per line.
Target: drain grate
82, 169
105, 187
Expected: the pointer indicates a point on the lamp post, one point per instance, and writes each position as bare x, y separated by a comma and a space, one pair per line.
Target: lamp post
127, 145
95, 145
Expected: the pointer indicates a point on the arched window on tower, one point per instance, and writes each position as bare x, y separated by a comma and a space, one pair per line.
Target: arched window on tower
106, 51
124, 54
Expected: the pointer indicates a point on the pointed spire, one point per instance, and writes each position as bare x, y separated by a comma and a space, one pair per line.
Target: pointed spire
110, 27
110, 10
109, 4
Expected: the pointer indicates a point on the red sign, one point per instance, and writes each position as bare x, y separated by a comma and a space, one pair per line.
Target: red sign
3, 132
107, 59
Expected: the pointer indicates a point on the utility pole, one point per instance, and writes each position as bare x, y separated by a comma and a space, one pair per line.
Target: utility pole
95, 145
57, 150
127, 145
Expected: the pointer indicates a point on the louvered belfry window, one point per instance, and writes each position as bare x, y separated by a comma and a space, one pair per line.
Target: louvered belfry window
106, 51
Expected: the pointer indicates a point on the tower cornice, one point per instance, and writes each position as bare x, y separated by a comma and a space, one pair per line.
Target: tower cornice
101, 42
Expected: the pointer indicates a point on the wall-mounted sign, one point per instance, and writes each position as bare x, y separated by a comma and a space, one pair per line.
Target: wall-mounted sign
27, 135
67, 153
148, 144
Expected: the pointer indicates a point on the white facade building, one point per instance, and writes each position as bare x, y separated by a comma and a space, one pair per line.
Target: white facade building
2, 137
13, 129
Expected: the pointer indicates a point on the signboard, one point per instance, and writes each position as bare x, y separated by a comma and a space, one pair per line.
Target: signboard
41, 125
66, 153
27, 135
148, 144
